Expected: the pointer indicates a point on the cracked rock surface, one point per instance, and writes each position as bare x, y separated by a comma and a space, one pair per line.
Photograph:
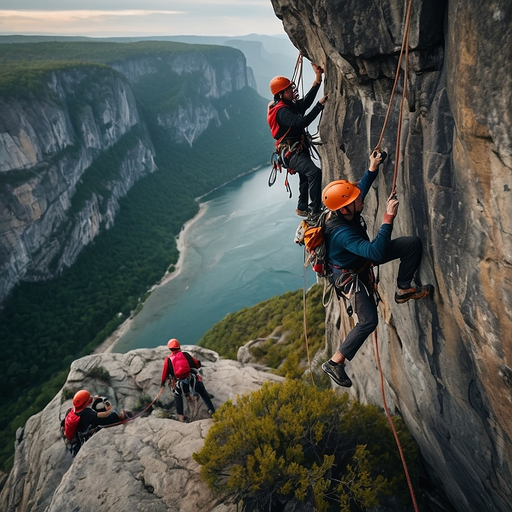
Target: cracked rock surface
144, 465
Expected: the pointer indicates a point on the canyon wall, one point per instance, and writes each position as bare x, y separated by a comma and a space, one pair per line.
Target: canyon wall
73, 146
446, 361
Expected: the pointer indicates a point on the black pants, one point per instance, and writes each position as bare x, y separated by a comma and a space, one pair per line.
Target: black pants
409, 249
200, 390
310, 181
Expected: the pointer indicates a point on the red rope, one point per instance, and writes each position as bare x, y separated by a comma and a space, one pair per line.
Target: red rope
136, 415
404, 49
388, 415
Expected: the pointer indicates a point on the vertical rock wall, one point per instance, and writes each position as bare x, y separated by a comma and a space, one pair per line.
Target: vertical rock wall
447, 362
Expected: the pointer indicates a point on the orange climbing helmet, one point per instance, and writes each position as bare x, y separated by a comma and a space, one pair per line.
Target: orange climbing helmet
339, 193
81, 400
278, 84
173, 344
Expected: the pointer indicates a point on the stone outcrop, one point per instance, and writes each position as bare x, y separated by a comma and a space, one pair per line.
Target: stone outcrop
73, 147
447, 361
145, 464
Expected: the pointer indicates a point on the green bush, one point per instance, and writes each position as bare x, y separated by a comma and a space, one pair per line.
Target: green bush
292, 442
99, 373
279, 315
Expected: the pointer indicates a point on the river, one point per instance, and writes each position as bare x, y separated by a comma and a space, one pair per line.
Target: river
237, 252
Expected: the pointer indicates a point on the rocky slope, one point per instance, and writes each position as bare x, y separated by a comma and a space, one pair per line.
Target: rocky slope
145, 464
447, 362
72, 147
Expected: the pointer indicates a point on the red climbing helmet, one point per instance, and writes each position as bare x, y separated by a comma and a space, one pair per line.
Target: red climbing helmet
173, 344
81, 400
278, 84
339, 193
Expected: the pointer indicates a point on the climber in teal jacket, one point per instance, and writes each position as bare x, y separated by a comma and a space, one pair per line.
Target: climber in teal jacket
351, 253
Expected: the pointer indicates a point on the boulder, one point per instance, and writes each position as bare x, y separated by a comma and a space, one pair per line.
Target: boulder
145, 464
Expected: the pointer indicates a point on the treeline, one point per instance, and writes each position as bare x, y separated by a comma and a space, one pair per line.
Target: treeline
282, 315
23, 67
45, 326
102, 51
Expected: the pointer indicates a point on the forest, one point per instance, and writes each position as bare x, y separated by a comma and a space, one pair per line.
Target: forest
44, 326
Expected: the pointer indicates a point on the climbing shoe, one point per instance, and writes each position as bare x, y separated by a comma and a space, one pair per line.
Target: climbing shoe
417, 292
337, 373
301, 213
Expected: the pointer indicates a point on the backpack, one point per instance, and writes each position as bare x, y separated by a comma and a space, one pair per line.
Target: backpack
68, 429
71, 424
180, 365
310, 234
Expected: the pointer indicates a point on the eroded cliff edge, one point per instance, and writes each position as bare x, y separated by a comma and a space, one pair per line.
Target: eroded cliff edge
146, 463
74, 144
447, 362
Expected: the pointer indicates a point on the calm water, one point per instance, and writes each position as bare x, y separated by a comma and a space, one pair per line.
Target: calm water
238, 253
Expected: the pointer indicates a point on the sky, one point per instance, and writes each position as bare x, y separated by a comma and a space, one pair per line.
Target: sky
100, 18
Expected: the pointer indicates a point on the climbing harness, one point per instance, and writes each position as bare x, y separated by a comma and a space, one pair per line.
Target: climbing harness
284, 150
186, 386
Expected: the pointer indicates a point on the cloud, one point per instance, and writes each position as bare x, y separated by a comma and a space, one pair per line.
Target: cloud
48, 15
198, 17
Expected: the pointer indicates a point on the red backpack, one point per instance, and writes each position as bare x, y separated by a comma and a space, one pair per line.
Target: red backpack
71, 424
180, 365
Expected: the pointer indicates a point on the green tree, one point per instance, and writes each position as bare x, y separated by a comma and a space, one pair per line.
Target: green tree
292, 442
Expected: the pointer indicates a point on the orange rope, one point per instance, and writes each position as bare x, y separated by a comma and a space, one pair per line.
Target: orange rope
404, 49
304, 319
388, 415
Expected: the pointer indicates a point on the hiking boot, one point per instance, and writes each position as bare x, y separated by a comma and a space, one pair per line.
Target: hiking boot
337, 373
417, 292
301, 213
210, 412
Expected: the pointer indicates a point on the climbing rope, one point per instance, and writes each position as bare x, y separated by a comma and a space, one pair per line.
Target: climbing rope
136, 415
404, 49
305, 322
391, 424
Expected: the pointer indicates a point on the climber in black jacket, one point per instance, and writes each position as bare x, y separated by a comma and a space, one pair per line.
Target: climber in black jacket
288, 121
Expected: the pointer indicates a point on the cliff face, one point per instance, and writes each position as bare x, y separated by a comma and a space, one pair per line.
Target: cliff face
70, 150
147, 462
447, 362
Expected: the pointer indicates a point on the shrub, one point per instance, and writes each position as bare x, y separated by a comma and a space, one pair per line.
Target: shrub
292, 442
99, 373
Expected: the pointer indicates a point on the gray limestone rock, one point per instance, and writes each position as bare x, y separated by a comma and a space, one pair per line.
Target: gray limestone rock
145, 464
447, 360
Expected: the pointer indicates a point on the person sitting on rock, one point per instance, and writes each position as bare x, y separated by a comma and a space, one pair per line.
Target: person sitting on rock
88, 413
288, 120
182, 370
351, 254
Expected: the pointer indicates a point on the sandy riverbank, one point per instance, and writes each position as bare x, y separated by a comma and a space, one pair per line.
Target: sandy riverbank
181, 243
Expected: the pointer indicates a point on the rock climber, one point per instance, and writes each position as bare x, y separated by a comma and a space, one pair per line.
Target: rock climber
287, 120
88, 413
350, 254
182, 370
